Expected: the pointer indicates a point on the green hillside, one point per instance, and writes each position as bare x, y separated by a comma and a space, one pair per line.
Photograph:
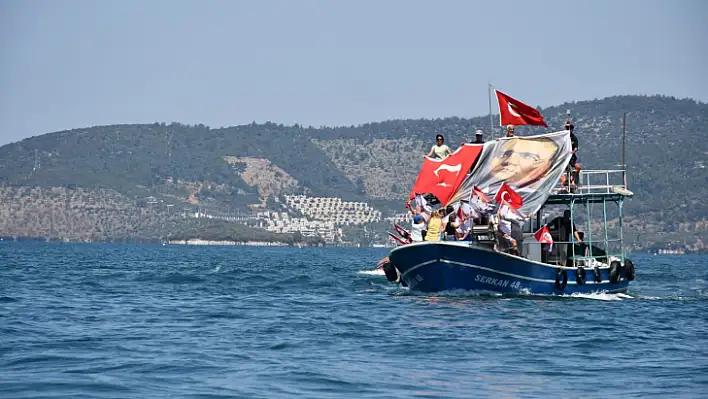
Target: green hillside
230, 168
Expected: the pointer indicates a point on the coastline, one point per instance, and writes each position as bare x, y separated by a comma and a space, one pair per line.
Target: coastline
198, 241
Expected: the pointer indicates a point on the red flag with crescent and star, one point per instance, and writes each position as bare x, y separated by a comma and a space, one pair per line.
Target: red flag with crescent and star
508, 195
442, 177
514, 112
544, 237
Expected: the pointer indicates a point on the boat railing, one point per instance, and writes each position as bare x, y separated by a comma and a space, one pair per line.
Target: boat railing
612, 249
593, 182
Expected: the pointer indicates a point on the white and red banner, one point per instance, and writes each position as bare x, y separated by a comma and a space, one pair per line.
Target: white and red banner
529, 166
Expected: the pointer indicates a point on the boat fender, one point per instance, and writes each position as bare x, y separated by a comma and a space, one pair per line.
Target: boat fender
390, 271
580, 276
629, 272
598, 274
561, 279
615, 267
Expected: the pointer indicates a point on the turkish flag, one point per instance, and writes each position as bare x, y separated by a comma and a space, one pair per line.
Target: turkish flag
508, 195
544, 237
443, 177
480, 194
514, 112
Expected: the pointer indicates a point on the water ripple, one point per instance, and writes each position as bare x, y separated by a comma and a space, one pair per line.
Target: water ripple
105, 321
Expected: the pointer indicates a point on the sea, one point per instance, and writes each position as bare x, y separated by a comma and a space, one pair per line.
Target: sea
152, 321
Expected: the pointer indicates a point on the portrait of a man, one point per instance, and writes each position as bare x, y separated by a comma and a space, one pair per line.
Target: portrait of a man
530, 165
522, 162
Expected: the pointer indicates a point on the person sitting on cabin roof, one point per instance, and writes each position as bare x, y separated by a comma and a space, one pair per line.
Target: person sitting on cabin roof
440, 150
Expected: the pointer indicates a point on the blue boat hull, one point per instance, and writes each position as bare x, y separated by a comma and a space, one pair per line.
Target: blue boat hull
453, 266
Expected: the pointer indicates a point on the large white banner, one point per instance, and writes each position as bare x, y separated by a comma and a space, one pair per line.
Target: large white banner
531, 166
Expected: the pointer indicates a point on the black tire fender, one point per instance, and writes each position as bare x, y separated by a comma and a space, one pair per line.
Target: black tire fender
580, 276
629, 272
390, 271
561, 279
597, 275
615, 269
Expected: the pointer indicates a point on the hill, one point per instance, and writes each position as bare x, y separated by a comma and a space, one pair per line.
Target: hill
232, 167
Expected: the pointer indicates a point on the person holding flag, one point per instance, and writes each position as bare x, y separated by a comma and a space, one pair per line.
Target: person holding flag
543, 236
507, 213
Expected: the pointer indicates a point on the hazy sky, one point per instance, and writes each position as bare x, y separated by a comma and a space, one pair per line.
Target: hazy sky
69, 64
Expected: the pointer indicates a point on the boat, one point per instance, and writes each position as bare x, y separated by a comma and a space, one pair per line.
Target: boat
479, 265
565, 260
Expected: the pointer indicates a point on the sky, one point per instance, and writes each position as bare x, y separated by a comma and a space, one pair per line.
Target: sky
70, 64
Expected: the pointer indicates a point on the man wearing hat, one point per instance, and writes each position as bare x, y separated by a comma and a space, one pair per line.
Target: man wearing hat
478, 137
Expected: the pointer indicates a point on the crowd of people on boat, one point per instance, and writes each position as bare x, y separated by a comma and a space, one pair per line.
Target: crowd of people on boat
451, 224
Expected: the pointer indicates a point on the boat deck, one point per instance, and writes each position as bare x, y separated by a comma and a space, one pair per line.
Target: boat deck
595, 186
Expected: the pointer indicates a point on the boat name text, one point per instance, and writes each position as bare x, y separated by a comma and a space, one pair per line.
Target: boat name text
497, 282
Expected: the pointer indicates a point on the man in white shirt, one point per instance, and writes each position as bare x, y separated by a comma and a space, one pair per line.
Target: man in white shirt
505, 216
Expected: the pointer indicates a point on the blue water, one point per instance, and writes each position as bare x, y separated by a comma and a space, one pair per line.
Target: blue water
112, 321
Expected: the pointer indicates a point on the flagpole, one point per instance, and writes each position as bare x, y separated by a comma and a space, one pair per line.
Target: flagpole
624, 165
491, 120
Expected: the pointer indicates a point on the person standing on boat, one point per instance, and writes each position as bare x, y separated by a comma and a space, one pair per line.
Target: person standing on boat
451, 227
505, 217
564, 226
573, 168
440, 150
478, 137
465, 226
510, 131
417, 228
434, 226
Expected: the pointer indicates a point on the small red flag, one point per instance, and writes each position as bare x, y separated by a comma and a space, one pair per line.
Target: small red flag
514, 112
508, 195
544, 236
480, 194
